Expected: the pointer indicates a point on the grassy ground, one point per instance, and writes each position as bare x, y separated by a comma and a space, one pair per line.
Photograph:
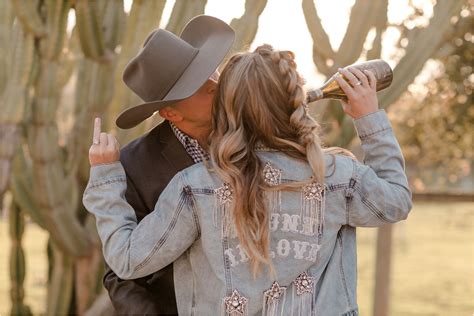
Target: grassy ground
433, 267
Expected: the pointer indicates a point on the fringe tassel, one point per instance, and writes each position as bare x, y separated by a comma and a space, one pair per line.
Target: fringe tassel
222, 207
302, 303
274, 300
312, 208
272, 177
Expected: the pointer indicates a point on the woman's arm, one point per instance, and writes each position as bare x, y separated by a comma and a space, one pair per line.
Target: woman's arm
378, 191
135, 250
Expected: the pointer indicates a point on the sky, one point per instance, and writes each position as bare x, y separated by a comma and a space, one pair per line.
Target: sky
282, 25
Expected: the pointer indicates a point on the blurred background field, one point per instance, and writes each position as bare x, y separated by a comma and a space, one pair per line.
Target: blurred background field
61, 64
433, 263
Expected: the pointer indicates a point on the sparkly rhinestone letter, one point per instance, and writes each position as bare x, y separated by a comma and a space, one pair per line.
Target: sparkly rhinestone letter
235, 303
304, 284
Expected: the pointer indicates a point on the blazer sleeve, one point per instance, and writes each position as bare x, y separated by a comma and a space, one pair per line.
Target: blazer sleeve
135, 250
131, 297
378, 192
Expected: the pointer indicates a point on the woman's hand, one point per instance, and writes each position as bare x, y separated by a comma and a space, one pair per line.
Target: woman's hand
361, 93
105, 147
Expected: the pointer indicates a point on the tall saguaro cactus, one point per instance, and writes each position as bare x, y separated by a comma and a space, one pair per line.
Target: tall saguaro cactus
17, 261
144, 17
246, 26
18, 46
183, 11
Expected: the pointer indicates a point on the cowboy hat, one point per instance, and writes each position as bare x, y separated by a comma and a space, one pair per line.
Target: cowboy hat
170, 68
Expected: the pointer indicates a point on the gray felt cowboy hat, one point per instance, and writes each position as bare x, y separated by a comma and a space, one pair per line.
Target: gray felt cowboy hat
170, 68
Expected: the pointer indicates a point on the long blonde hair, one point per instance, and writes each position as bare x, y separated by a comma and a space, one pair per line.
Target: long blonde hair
260, 100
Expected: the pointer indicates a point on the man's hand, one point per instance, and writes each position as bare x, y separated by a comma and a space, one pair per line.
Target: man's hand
361, 93
105, 147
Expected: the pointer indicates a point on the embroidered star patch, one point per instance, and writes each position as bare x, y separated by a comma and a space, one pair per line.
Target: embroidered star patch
271, 176
224, 193
313, 191
304, 284
235, 303
275, 292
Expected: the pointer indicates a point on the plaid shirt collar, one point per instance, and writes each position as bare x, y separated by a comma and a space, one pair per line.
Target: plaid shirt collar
192, 147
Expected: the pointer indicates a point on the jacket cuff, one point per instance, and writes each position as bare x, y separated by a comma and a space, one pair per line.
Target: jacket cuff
106, 171
372, 123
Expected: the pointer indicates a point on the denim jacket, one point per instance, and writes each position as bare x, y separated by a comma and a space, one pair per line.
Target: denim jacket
312, 230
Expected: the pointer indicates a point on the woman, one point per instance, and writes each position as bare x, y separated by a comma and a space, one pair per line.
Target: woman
267, 225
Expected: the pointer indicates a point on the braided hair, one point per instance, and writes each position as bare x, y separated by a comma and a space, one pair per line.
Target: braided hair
260, 101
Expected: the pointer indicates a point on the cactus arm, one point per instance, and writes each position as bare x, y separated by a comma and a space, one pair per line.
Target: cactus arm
17, 261
322, 50
144, 17
19, 60
60, 283
380, 26
56, 22
418, 51
7, 15
246, 26
423, 45
183, 11
363, 15
30, 19
89, 28
22, 187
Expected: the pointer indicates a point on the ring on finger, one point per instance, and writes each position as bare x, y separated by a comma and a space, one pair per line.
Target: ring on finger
95, 142
358, 83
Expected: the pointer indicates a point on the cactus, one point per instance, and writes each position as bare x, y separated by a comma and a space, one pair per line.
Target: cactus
144, 17
14, 77
246, 26
422, 45
183, 11
17, 261
29, 16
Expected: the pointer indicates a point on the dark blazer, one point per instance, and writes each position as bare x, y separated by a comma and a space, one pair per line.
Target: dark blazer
150, 162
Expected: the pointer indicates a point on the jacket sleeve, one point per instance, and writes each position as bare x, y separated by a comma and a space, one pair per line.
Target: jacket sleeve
135, 250
378, 192
131, 297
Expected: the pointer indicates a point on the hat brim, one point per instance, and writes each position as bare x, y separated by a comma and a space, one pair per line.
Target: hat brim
214, 39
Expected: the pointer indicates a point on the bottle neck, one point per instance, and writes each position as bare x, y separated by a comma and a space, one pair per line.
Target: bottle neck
314, 95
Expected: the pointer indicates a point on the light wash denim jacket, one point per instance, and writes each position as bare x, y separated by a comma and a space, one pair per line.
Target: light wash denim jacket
313, 237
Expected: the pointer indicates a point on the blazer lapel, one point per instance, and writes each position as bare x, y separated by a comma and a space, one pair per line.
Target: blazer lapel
172, 150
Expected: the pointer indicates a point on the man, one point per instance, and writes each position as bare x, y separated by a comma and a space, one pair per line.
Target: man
175, 76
